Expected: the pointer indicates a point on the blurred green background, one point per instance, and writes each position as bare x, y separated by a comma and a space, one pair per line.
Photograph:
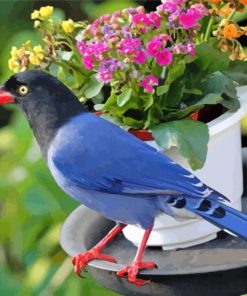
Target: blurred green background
32, 206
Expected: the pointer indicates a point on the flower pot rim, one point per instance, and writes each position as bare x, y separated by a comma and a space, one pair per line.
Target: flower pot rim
228, 119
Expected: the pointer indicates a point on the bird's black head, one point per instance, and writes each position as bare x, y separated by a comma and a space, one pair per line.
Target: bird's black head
33, 86
46, 102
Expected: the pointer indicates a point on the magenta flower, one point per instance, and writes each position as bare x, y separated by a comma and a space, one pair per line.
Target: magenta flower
169, 7
130, 46
87, 62
140, 58
148, 82
81, 46
154, 46
178, 2
105, 77
140, 19
188, 20
154, 19
164, 57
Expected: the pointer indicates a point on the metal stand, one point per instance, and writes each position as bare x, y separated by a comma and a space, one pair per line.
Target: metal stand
216, 268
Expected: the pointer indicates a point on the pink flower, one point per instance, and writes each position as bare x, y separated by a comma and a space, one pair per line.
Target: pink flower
191, 49
178, 2
140, 57
164, 57
87, 62
169, 7
201, 8
188, 20
196, 13
154, 19
129, 46
153, 46
140, 19
105, 77
81, 46
148, 82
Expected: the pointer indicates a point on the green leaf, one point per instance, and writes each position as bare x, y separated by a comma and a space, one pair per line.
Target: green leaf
112, 106
92, 88
155, 116
124, 97
163, 89
237, 72
191, 138
231, 104
225, 87
175, 72
209, 99
133, 123
148, 100
175, 93
210, 58
116, 120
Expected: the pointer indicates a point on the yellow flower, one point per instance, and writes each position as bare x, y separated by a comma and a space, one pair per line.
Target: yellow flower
68, 26
14, 65
14, 52
37, 24
45, 12
35, 15
37, 55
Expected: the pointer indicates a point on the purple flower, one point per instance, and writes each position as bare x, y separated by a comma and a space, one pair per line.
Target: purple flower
164, 57
185, 48
148, 82
140, 58
131, 10
106, 29
126, 31
154, 46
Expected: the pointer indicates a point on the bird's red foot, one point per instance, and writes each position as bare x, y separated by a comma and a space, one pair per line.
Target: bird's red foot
131, 271
81, 260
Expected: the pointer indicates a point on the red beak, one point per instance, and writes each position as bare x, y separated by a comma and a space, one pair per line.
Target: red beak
5, 97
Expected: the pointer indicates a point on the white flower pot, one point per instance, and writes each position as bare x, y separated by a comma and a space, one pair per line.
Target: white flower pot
222, 171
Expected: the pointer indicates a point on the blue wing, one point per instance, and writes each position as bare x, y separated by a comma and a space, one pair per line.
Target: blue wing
97, 155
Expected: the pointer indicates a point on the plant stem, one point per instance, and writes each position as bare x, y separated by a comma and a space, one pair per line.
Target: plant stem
231, 15
209, 28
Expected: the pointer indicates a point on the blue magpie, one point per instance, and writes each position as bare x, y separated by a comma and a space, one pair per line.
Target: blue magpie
109, 170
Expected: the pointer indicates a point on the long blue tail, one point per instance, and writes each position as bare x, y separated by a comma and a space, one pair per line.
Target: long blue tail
214, 212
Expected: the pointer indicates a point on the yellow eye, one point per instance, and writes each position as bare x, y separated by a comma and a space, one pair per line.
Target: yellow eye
23, 90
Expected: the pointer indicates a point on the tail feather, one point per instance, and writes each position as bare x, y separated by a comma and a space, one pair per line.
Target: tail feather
219, 214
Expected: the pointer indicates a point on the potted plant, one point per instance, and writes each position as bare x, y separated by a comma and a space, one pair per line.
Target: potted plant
161, 76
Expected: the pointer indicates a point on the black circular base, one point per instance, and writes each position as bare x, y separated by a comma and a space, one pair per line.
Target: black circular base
218, 267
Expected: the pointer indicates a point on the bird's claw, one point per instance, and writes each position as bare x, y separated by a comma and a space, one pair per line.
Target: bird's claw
81, 260
131, 271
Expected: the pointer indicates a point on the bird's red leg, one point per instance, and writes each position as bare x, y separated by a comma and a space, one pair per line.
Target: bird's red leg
132, 270
80, 261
